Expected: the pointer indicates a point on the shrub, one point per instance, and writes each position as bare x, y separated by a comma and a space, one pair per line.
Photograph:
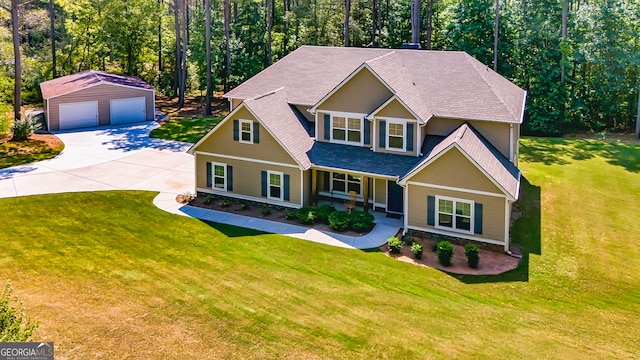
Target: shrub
307, 215
339, 220
290, 214
187, 197
208, 200
24, 127
407, 240
225, 203
395, 245
266, 210
472, 253
444, 252
416, 249
361, 221
14, 327
245, 205
323, 213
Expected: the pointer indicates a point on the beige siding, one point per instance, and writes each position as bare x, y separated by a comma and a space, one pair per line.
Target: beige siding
497, 133
320, 127
363, 93
306, 181
247, 178
235, 103
380, 191
453, 169
493, 216
396, 110
103, 93
516, 143
221, 142
375, 138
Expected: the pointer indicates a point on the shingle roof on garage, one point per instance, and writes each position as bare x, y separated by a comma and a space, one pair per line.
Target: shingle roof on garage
85, 79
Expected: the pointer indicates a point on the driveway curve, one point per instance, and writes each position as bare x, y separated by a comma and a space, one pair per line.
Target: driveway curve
106, 158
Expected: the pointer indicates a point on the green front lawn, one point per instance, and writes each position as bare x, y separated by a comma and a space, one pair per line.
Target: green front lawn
14, 153
187, 130
111, 276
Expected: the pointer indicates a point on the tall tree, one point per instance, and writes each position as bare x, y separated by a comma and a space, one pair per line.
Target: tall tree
495, 36
415, 22
52, 35
429, 34
17, 60
269, 6
347, 15
227, 50
207, 17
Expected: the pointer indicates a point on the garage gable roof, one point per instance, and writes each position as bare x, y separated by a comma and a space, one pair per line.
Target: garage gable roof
86, 79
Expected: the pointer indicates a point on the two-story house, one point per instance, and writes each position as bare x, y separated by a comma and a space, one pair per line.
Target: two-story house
430, 136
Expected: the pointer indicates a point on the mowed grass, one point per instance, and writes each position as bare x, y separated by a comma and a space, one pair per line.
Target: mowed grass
187, 130
110, 276
14, 153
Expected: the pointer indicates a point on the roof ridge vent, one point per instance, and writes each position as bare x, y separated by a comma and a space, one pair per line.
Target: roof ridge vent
268, 93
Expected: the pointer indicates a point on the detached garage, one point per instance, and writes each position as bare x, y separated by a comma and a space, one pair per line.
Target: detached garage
96, 98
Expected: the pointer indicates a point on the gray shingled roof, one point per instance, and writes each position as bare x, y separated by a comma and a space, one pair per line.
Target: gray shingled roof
488, 158
447, 84
66, 84
276, 115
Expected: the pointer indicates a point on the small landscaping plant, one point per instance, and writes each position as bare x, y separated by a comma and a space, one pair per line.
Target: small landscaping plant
361, 221
445, 252
323, 213
207, 200
266, 210
290, 214
225, 203
407, 240
245, 205
187, 197
416, 250
307, 215
339, 220
395, 245
24, 127
472, 253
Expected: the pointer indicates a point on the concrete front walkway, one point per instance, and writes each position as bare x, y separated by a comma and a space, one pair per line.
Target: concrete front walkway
106, 158
384, 229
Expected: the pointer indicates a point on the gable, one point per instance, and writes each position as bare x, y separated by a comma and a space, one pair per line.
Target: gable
220, 141
394, 109
362, 93
453, 169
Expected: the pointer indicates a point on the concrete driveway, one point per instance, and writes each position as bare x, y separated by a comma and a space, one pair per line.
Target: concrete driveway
106, 158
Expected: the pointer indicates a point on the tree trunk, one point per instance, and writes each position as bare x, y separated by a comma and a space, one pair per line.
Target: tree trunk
15, 27
429, 24
347, 15
207, 17
565, 13
176, 23
415, 22
160, 2
52, 35
495, 37
227, 50
285, 37
183, 62
269, 26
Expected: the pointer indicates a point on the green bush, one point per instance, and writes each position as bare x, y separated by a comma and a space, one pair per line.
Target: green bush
245, 205
207, 200
266, 210
14, 327
339, 220
290, 214
307, 215
444, 252
323, 213
225, 203
416, 249
472, 253
24, 127
407, 240
361, 221
395, 245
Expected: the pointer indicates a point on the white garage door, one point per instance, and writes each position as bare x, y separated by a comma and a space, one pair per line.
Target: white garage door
78, 115
128, 110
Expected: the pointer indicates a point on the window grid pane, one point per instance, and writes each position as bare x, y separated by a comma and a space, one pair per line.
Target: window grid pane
354, 124
446, 206
246, 126
339, 122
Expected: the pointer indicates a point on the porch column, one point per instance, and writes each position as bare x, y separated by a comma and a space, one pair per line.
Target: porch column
314, 187
365, 192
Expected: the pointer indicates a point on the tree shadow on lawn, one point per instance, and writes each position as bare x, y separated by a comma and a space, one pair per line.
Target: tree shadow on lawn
232, 230
525, 236
559, 150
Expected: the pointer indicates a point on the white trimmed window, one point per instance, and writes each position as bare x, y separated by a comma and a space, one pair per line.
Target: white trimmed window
454, 214
246, 131
395, 135
219, 176
346, 129
274, 190
346, 183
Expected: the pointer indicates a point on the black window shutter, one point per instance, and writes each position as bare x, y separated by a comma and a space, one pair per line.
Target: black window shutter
256, 132
367, 131
209, 175
326, 185
236, 130
229, 178
383, 133
327, 127
431, 210
477, 219
264, 184
286, 187
409, 137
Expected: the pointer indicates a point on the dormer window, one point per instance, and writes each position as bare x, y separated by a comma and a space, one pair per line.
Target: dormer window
246, 131
347, 129
396, 132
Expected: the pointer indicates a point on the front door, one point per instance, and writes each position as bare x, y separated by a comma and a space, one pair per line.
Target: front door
394, 198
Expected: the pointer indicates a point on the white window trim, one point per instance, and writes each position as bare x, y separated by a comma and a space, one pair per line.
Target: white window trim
269, 173
346, 183
453, 228
213, 176
388, 122
346, 135
240, 131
